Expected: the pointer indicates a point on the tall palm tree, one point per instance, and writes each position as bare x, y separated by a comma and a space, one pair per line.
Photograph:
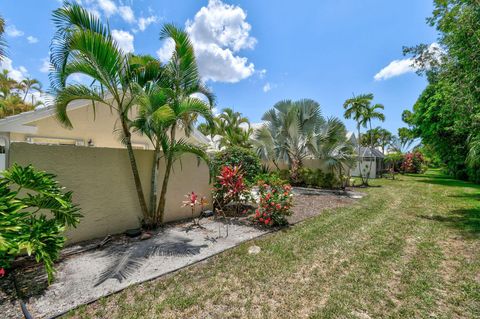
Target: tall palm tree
355, 109
385, 138
29, 84
82, 44
3, 43
181, 109
372, 112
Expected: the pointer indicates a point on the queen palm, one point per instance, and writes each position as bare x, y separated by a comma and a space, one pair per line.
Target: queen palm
82, 44
355, 109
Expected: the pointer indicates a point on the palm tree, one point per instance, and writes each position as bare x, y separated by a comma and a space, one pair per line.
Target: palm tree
355, 109
372, 112
28, 84
295, 131
82, 44
3, 43
180, 108
385, 138
228, 126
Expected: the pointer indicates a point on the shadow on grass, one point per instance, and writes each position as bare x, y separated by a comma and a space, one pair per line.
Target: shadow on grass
467, 221
444, 180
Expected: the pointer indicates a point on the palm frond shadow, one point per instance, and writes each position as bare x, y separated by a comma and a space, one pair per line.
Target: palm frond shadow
130, 261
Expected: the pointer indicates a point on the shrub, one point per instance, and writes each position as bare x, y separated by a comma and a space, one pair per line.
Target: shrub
25, 194
230, 187
275, 204
271, 179
413, 163
237, 156
317, 178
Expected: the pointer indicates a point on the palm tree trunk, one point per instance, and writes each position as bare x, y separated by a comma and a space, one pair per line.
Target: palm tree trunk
359, 156
371, 147
163, 194
154, 182
133, 164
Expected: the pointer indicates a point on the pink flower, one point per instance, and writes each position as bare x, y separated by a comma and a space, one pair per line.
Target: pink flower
2, 272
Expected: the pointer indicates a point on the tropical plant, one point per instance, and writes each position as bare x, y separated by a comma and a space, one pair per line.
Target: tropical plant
446, 114
275, 204
230, 188
13, 95
26, 194
3, 43
381, 138
236, 156
181, 108
360, 109
228, 124
413, 162
82, 44
296, 130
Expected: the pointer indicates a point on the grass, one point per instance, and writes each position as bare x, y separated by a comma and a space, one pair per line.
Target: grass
411, 248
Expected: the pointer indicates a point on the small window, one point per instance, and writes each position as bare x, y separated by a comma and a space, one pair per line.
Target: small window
54, 141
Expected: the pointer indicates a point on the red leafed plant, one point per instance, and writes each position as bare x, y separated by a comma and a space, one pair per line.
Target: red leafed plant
275, 204
230, 186
413, 163
192, 201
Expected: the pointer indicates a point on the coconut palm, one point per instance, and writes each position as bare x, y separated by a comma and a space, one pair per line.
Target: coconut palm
82, 44
355, 109
180, 108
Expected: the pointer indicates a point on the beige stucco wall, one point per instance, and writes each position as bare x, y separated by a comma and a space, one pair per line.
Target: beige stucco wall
103, 186
101, 126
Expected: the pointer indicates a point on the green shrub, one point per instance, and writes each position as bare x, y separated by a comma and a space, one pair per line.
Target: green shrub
237, 156
317, 178
25, 196
273, 179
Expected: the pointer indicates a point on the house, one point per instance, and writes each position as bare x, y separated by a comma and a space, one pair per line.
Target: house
93, 128
372, 162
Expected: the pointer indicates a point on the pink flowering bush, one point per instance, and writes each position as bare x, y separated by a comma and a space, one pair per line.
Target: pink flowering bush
413, 163
275, 204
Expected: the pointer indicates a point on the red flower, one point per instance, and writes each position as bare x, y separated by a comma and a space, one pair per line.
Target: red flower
279, 206
261, 219
267, 221
2, 272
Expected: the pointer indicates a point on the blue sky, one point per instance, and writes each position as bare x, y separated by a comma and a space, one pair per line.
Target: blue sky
255, 53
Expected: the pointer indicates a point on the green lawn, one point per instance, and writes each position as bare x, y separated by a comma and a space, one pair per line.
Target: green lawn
411, 248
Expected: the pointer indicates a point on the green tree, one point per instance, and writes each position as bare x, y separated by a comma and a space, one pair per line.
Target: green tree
3, 43
296, 130
27, 85
82, 44
355, 109
228, 126
180, 109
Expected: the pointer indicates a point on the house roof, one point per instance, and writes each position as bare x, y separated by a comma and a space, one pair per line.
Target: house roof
21, 123
370, 152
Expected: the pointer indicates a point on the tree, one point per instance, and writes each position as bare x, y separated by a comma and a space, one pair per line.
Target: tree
3, 43
180, 109
29, 84
380, 136
445, 115
228, 126
355, 109
296, 130
82, 44
12, 96
372, 112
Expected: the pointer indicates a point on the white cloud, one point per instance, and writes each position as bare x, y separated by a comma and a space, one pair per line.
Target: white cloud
124, 40
267, 87
165, 51
218, 31
108, 6
13, 32
17, 74
403, 66
143, 23
45, 68
32, 39
395, 68
127, 14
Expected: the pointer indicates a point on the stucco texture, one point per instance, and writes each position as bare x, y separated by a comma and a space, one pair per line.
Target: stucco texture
102, 184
